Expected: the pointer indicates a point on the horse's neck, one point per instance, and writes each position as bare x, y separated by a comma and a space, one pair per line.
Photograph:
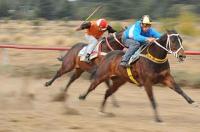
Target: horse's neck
157, 51
111, 44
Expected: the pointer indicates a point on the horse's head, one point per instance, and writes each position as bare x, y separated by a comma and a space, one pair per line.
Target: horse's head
120, 34
173, 44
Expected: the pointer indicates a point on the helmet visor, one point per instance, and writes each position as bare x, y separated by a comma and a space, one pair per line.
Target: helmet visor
146, 25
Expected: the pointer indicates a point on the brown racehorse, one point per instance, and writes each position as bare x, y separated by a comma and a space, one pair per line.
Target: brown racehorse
71, 60
151, 68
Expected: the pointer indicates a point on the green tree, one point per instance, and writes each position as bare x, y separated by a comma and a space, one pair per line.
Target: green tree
45, 9
4, 8
63, 9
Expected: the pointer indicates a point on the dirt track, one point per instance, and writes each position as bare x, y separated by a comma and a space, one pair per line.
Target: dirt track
27, 106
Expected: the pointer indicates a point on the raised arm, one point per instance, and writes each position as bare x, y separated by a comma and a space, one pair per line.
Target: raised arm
110, 29
84, 25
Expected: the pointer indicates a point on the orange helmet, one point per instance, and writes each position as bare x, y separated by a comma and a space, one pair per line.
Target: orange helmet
102, 23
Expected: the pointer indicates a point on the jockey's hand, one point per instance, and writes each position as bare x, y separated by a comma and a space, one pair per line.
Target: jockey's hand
151, 40
78, 29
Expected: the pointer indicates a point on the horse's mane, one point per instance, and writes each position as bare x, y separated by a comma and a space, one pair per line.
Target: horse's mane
110, 37
112, 54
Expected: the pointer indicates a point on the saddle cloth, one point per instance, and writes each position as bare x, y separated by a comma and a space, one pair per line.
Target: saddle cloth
136, 56
94, 53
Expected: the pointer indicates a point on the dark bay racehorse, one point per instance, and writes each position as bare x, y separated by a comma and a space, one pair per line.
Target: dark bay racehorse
151, 68
71, 60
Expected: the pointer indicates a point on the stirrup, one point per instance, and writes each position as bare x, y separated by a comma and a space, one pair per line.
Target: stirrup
87, 58
125, 64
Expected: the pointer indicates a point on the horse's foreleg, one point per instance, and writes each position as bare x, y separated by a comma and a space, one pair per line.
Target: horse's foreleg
149, 91
74, 76
113, 98
117, 82
93, 85
170, 82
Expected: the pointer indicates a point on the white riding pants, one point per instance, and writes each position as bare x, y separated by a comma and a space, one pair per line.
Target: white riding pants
92, 43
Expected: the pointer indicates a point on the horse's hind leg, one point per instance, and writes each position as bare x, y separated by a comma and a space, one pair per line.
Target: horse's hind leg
74, 76
149, 91
59, 73
169, 81
117, 82
113, 98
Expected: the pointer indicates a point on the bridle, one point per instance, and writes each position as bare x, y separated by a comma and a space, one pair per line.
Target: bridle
168, 45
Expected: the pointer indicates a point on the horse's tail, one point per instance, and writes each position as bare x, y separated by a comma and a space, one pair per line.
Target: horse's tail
74, 50
70, 57
60, 58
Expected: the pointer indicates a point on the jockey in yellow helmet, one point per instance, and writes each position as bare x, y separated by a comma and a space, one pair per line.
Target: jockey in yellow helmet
136, 35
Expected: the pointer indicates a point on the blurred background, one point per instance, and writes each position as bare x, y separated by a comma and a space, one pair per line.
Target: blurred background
52, 23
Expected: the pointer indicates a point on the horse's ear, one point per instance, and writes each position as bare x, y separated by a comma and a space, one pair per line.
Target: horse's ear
174, 30
168, 31
124, 28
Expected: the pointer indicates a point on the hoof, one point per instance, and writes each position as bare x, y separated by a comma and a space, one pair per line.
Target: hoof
158, 120
47, 84
82, 97
195, 104
105, 114
191, 102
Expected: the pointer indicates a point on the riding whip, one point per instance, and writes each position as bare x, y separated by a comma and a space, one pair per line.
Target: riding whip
96, 9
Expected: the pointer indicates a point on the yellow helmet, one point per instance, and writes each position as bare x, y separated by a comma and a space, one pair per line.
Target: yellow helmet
146, 20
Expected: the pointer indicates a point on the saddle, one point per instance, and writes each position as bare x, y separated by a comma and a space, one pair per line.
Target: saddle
95, 53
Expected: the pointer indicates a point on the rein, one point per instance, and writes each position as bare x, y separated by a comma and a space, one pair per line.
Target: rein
108, 44
117, 40
168, 45
114, 35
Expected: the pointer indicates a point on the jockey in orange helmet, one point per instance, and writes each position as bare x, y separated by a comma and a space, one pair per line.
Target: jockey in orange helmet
95, 30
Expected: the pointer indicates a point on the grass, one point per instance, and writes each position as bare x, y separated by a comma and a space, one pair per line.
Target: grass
186, 23
187, 78
38, 32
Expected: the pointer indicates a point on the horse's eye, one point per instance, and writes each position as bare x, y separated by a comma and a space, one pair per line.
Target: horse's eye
173, 40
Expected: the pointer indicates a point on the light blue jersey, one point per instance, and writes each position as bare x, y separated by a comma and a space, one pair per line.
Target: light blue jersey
135, 32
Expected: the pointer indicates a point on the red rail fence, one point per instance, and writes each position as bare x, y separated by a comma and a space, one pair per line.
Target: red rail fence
12, 46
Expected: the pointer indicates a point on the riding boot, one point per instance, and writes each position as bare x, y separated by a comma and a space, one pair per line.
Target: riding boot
125, 64
87, 58
133, 47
